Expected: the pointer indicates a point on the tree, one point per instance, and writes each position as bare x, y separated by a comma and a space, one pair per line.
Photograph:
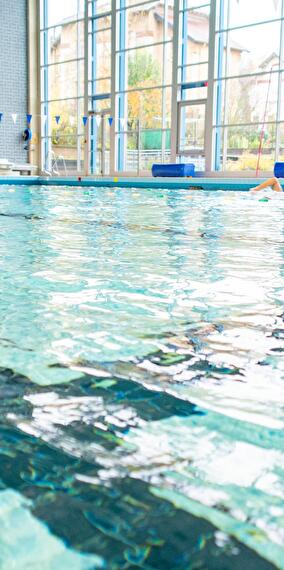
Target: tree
142, 68
241, 112
143, 71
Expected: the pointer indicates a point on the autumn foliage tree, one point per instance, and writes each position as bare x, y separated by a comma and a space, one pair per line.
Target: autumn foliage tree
144, 71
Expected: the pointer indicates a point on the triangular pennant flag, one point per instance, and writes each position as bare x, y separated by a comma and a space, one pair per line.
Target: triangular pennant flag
43, 119
1, 117
14, 117
110, 120
98, 120
57, 118
29, 118
122, 123
85, 119
72, 121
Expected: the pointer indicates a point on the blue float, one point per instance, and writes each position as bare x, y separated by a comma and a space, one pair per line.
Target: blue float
173, 170
279, 169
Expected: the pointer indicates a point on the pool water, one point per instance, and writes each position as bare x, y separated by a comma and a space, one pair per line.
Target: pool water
141, 379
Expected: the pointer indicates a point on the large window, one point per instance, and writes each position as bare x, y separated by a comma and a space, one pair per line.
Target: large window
99, 57
143, 56
125, 83
62, 85
248, 85
192, 93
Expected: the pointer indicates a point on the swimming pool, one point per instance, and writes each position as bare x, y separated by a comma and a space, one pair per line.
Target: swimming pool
141, 354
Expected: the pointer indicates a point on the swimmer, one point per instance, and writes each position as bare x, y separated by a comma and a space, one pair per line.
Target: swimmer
270, 183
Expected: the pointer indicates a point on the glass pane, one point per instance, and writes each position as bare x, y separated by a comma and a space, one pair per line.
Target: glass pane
192, 128
64, 42
282, 97
99, 105
188, 4
243, 12
281, 149
142, 4
100, 54
147, 106
95, 145
64, 155
71, 117
250, 99
99, 7
99, 158
240, 146
193, 73
252, 49
145, 68
99, 24
146, 24
65, 80
59, 12
194, 36
155, 146
99, 87
194, 94
145, 111
132, 153
106, 148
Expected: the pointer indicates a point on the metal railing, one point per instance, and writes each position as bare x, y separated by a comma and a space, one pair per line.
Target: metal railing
52, 164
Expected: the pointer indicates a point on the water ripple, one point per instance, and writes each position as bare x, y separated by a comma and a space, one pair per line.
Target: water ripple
141, 379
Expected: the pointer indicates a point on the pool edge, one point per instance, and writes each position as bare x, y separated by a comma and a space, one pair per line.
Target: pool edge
226, 184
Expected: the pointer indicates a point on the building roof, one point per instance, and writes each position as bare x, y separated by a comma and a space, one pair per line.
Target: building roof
198, 28
272, 57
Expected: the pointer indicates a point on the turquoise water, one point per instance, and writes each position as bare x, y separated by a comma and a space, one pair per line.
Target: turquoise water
141, 379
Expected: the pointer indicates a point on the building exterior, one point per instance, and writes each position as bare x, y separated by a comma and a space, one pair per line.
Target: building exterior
145, 27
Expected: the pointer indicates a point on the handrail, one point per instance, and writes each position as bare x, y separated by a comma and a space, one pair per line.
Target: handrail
45, 170
54, 166
48, 156
54, 163
61, 157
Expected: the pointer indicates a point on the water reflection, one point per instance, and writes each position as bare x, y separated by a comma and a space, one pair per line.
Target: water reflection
141, 386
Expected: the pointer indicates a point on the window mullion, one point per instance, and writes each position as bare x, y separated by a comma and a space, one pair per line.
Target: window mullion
279, 89
226, 90
174, 108
113, 81
86, 88
211, 107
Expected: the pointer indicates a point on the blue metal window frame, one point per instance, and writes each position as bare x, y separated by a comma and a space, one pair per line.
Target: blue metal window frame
44, 29
119, 52
223, 28
121, 83
219, 86
186, 85
184, 55
183, 63
45, 71
94, 18
94, 128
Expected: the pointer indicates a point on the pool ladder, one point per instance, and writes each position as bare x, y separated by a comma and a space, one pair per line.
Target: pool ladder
54, 163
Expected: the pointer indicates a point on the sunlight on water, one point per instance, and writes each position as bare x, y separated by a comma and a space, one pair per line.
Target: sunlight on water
141, 379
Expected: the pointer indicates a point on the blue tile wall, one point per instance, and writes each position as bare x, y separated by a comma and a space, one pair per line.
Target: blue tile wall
13, 78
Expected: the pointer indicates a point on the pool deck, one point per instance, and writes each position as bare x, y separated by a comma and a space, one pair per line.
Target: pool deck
241, 184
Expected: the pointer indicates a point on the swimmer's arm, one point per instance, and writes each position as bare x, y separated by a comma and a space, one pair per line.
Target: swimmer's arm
271, 182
